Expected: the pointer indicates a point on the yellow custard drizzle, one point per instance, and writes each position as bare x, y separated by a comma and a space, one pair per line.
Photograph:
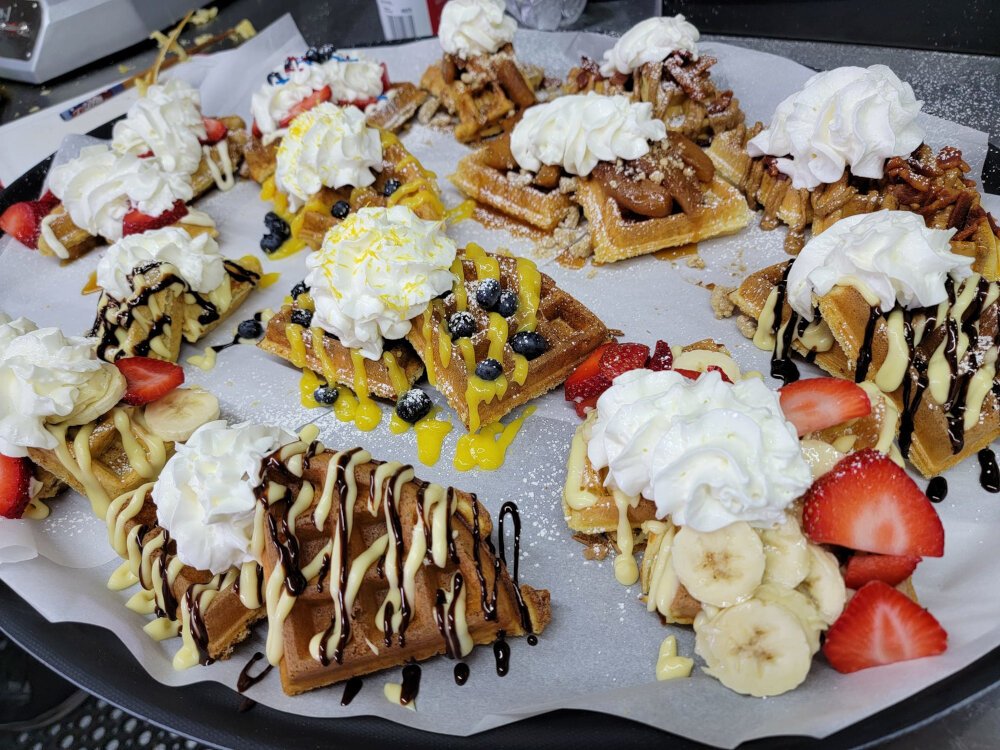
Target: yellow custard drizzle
487, 448
430, 432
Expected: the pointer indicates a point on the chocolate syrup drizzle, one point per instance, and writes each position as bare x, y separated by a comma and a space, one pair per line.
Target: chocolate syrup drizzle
461, 673
247, 680
351, 690
989, 473
937, 489
411, 684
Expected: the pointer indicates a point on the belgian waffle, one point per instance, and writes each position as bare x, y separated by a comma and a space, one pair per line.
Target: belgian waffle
680, 89
312, 348
936, 187
217, 162
417, 189
387, 569
163, 309
211, 613
948, 409
106, 458
481, 93
570, 330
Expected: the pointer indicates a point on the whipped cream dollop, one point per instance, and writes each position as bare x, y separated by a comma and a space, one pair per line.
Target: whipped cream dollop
652, 40
48, 378
99, 187
197, 260
889, 256
578, 131
327, 146
707, 452
378, 269
475, 27
845, 117
351, 76
167, 122
205, 494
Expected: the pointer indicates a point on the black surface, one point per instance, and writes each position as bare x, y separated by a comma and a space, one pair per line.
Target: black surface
971, 26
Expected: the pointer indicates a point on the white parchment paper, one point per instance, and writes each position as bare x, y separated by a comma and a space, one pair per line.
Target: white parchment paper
599, 652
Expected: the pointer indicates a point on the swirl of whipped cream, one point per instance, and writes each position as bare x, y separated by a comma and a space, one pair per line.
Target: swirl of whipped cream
327, 146
48, 378
846, 117
197, 260
652, 40
707, 452
377, 270
578, 131
167, 121
205, 494
274, 101
475, 27
353, 77
99, 187
889, 256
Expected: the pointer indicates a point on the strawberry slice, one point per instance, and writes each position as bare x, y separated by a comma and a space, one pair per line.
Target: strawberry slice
23, 221
136, 222
818, 403
695, 374
255, 130
620, 358
584, 405
890, 569
881, 625
15, 486
148, 379
316, 97
662, 357
215, 131
586, 380
868, 503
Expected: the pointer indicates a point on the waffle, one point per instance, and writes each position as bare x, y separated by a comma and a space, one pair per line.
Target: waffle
163, 310
94, 461
418, 556
680, 89
936, 187
943, 418
72, 242
211, 613
418, 190
570, 329
314, 349
481, 93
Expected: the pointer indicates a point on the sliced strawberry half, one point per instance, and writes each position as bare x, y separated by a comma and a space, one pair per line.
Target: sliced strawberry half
316, 97
662, 357
148, 379
215, 131
586, 380
136, 222
15, 486
881, 625
891, 569
868, 503
695, 374
617, 359
23, 221
818, 403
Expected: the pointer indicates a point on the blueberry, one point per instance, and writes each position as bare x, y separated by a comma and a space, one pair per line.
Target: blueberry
461, 325
299, 289
327, 51
276, 79
269, 243
391, 186
340, 209
312, 55
489, 369
413, 405
507, 304
277, 225
326, 394
529, 344
302, 317
249, 329
488, 293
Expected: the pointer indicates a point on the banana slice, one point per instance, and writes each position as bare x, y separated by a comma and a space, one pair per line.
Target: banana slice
722, 567
659, 581
799, 605
787, 554
178, 414
825, 584
755, 648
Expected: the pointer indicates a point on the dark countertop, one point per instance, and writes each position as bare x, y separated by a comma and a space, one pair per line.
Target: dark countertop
958, 87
